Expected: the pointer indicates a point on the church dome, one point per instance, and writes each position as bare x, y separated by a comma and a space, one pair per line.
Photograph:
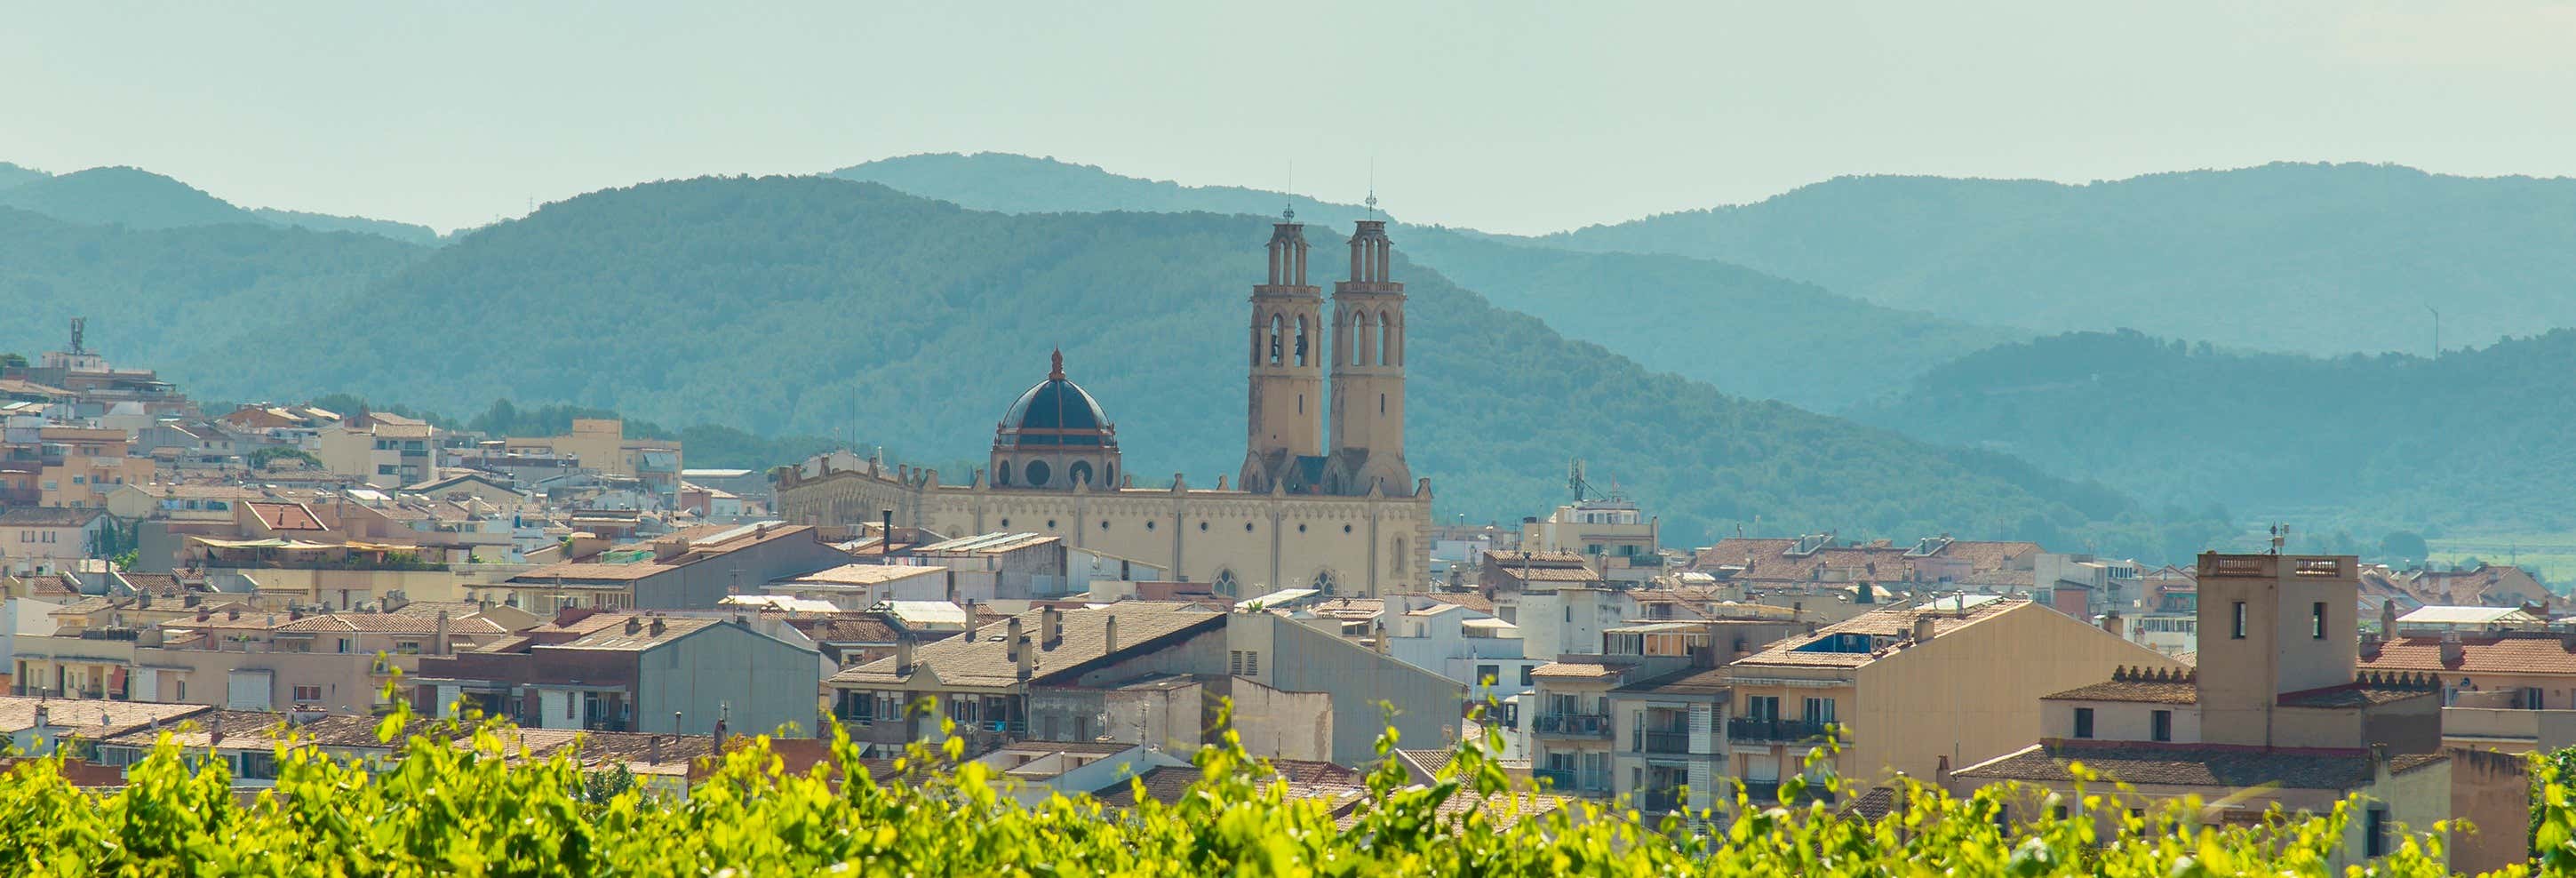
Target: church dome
1055, 412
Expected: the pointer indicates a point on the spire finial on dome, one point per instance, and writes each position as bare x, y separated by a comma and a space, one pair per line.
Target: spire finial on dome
1057, 372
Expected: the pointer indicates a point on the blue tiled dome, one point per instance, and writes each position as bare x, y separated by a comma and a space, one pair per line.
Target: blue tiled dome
1055, 412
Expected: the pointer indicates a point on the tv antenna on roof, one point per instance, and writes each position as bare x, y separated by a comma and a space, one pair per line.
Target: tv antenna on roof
1574, 480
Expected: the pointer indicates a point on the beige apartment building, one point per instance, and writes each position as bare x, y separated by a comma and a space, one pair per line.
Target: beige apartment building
244, 659
601, 444
1617, 540
382, 450
1918, 690
81, 465
2278, 714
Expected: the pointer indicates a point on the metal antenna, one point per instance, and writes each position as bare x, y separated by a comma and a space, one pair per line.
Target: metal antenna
1371, 200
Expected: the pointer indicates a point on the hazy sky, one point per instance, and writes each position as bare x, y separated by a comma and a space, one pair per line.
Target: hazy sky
1503, 115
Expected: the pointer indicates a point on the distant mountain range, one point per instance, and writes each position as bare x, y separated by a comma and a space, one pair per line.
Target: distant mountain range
1739, 329
812, 305
2306, 258
2369, 442
140, 199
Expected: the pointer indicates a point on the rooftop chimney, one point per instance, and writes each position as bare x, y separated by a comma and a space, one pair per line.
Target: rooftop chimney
653, 749
1109, 632
972, 625
2111, 622
903, 655
438, 636
634, 624
1050, 627
2388, 618
1012, 639
2453, 651
1028, 658
657, 626
1922, 628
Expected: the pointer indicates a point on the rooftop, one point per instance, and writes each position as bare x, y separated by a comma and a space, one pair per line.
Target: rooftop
984, 659
2190, 765
1865, 638
2478, 655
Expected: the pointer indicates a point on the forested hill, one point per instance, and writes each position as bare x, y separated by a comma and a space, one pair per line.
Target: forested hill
1739, 329
815, 305
2478, 437
2325, 259
161, 297
140, 199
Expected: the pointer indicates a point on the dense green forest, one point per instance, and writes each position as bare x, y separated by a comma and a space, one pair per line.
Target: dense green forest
2369, 443
1739, 329
2322, 259
141, 199
223, 296
785, 306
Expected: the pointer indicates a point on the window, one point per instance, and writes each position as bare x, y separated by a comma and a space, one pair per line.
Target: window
386, 469
1234, 662
1252, 663
1820, 710
1526, 678
2058, 813
2317, 620
1002, 476
407, 647
1079, 473
308, 694
80, 480
1487, 675
2238, 632
2375, 833
1762, 708
1038, 471
2163, 726
2084, 722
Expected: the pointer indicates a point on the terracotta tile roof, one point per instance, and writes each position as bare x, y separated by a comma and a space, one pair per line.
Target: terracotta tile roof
2188, 765
2141, 692
284, 516
1514, 558
1430, 761
1698, 681
1873, 805
240, 729
2359, 695
1468, 599
1575, 671
2479, 655
1169, 783
49, 586
863, 574
583, 571
650, 632
1351, 609
49, 516
985, 659
394, 623
1880, 626
83, 717
845, 628
1771, 561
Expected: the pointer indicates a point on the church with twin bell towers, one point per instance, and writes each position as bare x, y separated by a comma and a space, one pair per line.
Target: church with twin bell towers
1325, 499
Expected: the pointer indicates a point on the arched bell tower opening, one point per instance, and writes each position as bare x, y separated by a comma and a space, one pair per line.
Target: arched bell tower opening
1285, 404
1367, 449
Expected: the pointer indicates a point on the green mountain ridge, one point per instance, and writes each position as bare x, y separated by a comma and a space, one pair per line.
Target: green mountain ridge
1751, 333
2370, 443
821, 306
2312, 258
164, 297
140, 199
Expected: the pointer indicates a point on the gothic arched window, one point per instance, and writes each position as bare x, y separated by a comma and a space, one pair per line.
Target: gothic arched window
1301, 339
1002, 473
1224, 583
1274, 339
1385, 340
1324, 581
1360, 340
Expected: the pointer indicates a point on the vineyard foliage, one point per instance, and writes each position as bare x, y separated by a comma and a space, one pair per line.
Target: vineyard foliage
457, 801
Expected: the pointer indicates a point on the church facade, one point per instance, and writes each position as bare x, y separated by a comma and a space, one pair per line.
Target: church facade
1339, 512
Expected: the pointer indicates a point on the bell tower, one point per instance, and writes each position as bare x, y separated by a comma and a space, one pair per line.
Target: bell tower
1286, 402
1368, 371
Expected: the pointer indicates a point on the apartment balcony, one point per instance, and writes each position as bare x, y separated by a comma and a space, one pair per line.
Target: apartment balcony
1669, 742
1661, 801
1782, 730
1763, 792
1571, 782
1571, 725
